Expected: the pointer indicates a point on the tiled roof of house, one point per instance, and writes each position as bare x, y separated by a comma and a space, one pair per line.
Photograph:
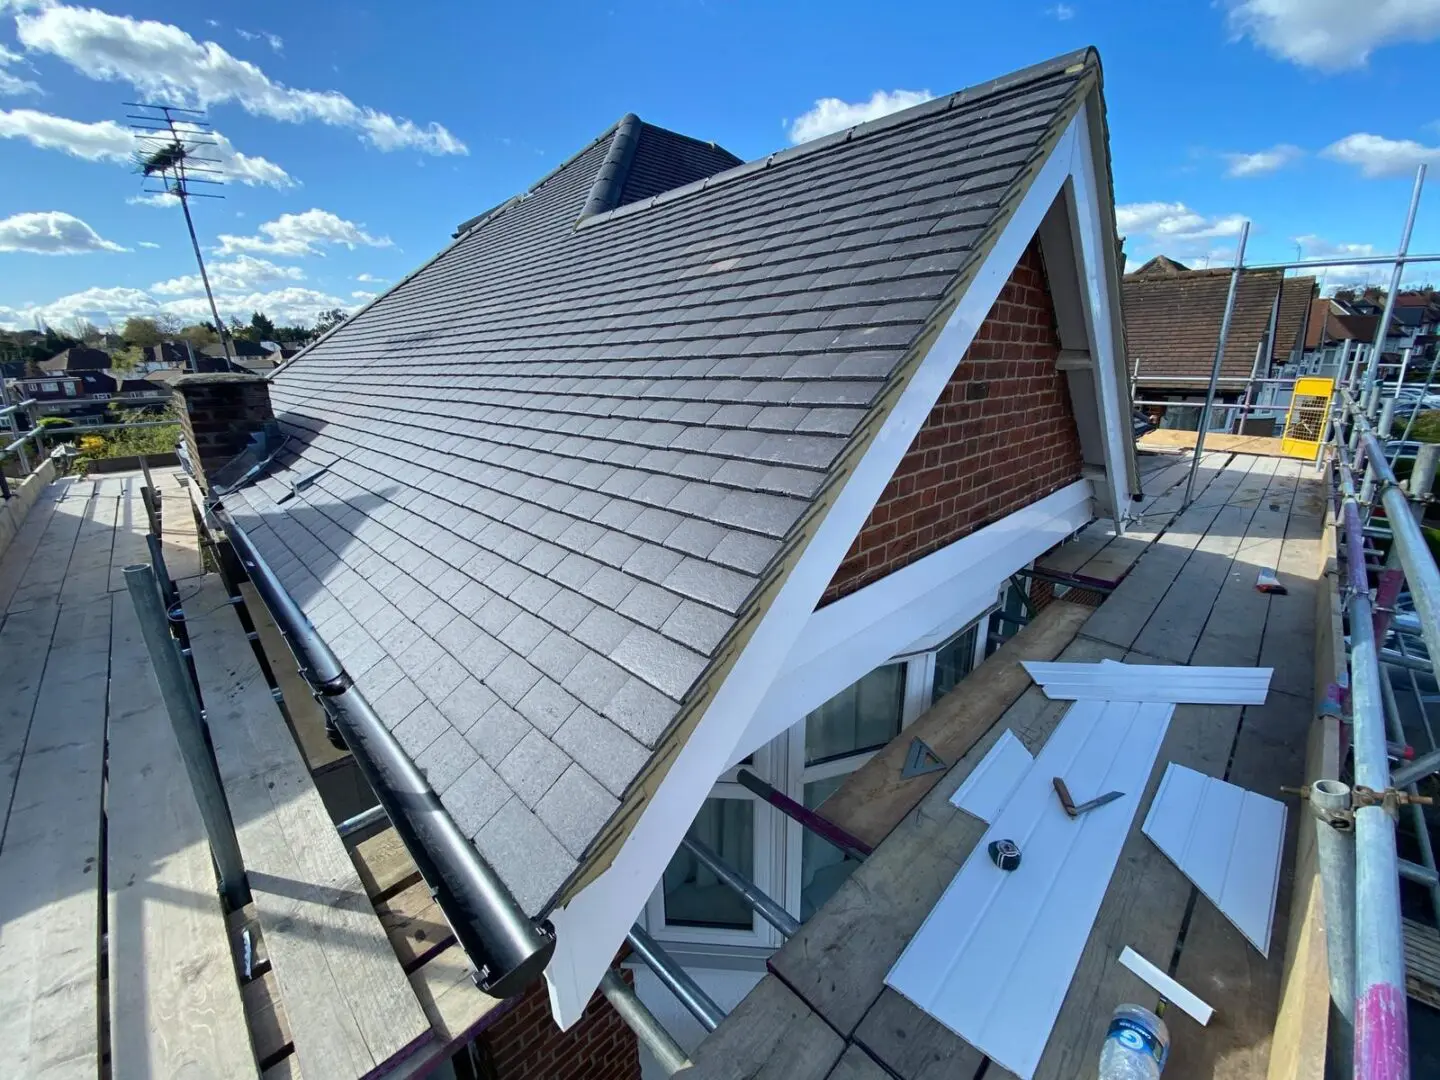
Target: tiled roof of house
77, 358
1328, 323
566, 462
1172, 323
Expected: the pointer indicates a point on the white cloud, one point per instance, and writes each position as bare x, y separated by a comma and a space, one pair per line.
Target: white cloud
157, 199
1263, 161
1376, 156
275, 41
371, 279
1343, 275
51, 232
106, 140
1332, 34
296, 235
831, 114
147, 243
1165, 222
10, 83
1061, 12
243, 273
362, 295
162, 60
109, 306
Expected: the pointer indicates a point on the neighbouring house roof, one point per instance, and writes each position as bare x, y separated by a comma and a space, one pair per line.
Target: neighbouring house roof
76, 358
1172, 321
238, 347
556, 475
1161, 266
1296, 296
1328, 322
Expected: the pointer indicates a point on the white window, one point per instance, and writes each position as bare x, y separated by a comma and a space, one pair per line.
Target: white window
69, 389
49, 387
101, 397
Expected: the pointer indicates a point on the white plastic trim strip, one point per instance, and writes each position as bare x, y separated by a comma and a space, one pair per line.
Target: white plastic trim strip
995, 957
1167, 987
1227, 841
1110, 681
988, 788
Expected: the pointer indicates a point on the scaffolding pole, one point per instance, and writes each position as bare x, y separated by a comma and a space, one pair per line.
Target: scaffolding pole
1225, 320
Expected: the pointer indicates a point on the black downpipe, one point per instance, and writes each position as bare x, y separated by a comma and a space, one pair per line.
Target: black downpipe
508, 948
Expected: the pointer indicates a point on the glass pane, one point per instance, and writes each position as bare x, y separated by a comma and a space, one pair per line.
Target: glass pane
823, 866
863, 716
953, 662
696, 897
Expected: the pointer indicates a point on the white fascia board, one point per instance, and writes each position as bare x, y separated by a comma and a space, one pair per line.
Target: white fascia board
1111, 681
989, 787
1095, 273
853, 636
1167, 987
995, 957
592, 926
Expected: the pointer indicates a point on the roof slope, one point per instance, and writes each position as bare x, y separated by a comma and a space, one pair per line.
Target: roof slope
1296, 293
563, 461
1327, 323
1172, 322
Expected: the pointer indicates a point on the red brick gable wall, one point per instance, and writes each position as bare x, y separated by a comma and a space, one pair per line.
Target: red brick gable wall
1001, 436
525, 1044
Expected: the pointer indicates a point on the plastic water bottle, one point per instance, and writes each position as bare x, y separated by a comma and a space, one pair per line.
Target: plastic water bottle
1136, 1045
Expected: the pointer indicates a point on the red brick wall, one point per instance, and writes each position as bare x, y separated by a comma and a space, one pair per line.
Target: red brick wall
1001, 436
526, 1045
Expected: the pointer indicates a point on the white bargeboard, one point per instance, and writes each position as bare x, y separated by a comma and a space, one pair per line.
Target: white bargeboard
1112, 681
989, 787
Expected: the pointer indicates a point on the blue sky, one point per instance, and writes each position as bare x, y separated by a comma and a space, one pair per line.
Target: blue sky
368, 132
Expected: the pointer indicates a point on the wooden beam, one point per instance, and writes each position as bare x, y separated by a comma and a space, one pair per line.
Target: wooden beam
874, 798
350, 1007
175, 1005
179, 535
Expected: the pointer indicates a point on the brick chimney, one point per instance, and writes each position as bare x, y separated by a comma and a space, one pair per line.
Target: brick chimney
220, 412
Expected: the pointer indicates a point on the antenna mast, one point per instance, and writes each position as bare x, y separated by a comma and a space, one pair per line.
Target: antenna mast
169, 152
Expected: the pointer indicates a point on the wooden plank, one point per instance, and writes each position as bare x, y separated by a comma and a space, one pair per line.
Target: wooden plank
44, 577
1126, 611
88, 574
384, 865
24, 644
307, 718
865, 926
16, 558
416, 925
770, 1035
179, 535
1289, 643
177, 1007
1422, 963
131, 527
49, 879
875, 797
912, 1044
349, 1004
1174, 629
855, 1064
266, 1015
455, 1007
1154, 515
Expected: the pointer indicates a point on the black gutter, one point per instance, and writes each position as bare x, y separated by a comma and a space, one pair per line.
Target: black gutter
507, 947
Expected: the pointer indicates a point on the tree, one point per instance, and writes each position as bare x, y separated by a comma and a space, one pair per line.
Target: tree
199, 335
130, 358
85, 331
328, 320
140, 332
261, 328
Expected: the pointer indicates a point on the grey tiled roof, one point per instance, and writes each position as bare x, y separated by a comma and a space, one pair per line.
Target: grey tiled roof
561, 458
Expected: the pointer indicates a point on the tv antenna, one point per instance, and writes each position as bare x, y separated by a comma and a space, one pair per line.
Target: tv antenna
170, 153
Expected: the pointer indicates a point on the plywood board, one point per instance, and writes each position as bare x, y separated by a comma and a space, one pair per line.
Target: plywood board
179, 535
175, 1007
771, 1035
986, 790
993, 960
1152, 682
348, 1002
1227, 841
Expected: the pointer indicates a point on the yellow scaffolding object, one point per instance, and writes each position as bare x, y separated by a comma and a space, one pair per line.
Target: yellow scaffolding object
1306, 419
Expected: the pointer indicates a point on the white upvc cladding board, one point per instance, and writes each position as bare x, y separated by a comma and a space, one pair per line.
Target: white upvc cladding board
1111, 681
989, 787
995, 957
1227, 841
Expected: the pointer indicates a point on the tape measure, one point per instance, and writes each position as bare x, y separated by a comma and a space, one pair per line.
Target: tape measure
1004, 854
